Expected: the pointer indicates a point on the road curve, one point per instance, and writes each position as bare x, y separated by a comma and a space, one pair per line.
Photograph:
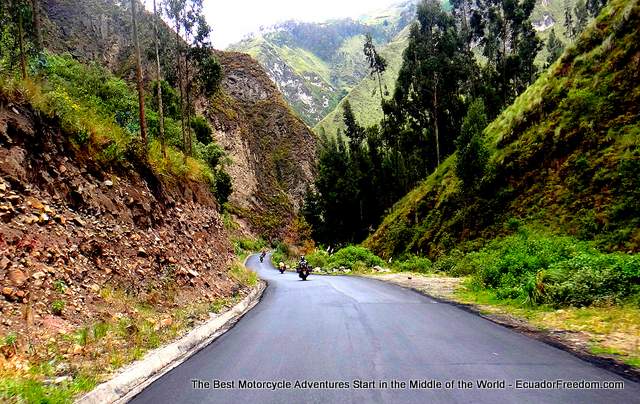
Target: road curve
347, 329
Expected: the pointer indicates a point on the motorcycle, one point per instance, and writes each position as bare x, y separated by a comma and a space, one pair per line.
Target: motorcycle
303, 271
262, 257
282, 268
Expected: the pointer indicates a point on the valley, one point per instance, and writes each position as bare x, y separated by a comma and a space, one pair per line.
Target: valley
456, 185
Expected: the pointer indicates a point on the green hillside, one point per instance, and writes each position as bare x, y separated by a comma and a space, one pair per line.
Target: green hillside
316, 64
565, 157
364, 97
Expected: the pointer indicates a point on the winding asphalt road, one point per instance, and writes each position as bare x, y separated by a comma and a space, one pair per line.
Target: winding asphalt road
347, 329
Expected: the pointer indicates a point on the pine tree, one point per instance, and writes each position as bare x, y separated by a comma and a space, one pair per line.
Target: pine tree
472, 153
555, 47
377, 64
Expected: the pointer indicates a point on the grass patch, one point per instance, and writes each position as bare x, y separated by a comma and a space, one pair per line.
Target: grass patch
612, 331
243, 275
98, 113
90, 354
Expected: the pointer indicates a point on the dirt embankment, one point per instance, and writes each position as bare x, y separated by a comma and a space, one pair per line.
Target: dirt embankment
72, 232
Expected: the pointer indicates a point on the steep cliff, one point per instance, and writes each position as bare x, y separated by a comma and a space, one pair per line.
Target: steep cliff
273, 151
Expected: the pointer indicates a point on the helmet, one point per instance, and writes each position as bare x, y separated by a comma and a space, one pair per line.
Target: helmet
302, 257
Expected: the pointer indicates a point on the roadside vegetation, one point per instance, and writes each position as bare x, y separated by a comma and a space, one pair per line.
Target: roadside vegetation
98, 113
74, 362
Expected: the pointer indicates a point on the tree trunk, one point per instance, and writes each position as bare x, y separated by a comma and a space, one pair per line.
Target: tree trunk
187, 89
504, 60
381, 96
179, 79
143, 123
435, 120
37, 24
23, 57
163, 142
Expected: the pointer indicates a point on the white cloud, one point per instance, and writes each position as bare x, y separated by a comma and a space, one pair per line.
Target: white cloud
233, 19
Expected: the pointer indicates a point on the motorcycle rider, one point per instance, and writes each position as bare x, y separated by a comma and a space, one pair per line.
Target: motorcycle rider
302, 263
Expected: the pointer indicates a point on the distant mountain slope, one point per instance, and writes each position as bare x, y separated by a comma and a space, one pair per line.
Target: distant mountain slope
565, 156
316, 64
365, 96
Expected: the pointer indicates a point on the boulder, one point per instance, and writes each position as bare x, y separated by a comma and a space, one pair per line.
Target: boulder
17, 277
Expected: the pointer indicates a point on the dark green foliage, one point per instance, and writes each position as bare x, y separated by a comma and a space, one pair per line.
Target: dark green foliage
472, 154
428, 104
212, 154
425, 116
509, 43
170, 100
15, 19
559, 271
555, 47
202, 130
223, 186
210, 74
559, 157
349, 256
353, 187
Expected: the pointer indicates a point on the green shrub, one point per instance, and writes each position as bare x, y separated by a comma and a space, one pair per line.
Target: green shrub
211, 154
453, 264
318, 258
592, 278
202, 130
414, 263
348, 256
10, 339
223, 186
60, 286
554, 270
57, 307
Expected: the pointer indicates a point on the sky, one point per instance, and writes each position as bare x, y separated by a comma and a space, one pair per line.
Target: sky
233, 19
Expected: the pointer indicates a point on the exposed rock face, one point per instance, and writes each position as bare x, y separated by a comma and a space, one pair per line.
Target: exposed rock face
68, 230
271, 151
